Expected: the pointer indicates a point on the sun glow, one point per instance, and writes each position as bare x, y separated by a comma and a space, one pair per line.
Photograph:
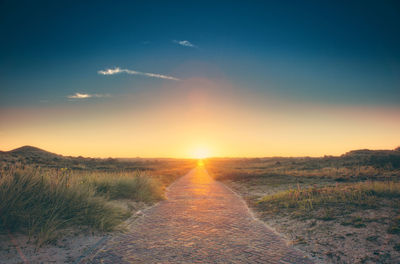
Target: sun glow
200, 153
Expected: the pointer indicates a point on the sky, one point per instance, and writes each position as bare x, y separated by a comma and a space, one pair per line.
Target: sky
200, 78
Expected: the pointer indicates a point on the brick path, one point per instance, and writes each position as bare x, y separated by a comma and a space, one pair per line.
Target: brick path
202, 221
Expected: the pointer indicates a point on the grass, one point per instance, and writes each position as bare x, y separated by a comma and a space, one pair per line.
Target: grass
394, 228
345, 168
42, 202
137, 188
344, 198
329, 203
356, 222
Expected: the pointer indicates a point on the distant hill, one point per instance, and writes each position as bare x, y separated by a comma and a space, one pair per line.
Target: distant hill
368, 152
33, 156
29, 151
28, 155
375, 158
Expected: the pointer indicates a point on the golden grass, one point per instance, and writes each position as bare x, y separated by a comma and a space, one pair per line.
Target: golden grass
344, 197
300, 168
41, 202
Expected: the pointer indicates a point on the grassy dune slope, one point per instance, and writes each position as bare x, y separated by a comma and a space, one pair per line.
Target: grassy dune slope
42, 193
342, 209
39, 203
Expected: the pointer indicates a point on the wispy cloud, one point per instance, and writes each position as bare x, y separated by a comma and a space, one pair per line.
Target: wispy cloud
148, 74
185, 43
85, 96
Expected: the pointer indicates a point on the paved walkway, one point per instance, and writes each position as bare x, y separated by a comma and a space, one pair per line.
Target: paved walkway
202, 221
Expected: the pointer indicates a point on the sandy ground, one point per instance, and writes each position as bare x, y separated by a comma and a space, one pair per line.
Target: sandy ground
74, 243
17, 248
330, 241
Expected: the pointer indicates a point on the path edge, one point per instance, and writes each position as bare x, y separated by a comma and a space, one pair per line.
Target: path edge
253, 216
92, 251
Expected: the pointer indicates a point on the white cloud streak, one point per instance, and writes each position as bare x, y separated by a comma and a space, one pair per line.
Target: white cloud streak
86, 96
117, 70
185, 43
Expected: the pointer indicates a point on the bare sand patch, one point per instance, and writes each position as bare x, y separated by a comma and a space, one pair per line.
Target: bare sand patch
73, 243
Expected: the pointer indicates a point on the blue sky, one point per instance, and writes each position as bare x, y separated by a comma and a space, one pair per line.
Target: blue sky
335, 53
329, 51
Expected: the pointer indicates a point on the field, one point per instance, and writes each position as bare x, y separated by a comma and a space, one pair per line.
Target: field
46, 197
342, 209
338, 209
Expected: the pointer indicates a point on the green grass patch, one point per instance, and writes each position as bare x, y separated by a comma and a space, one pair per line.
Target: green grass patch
139, 187
40, 203
341, 198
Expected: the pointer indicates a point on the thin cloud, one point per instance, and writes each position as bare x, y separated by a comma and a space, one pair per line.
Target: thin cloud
86, 96
117, 70
185, 43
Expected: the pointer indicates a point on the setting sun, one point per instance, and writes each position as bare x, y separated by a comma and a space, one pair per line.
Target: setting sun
200, 152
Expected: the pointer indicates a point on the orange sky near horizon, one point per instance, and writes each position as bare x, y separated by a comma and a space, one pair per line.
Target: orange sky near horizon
199, 117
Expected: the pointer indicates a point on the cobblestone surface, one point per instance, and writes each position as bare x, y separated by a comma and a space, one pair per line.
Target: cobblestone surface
202, 221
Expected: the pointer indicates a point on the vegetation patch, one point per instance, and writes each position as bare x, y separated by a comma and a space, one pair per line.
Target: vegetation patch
138, 188
343, 207
339, 199
356, 222
397, 247
42, 202
394, 228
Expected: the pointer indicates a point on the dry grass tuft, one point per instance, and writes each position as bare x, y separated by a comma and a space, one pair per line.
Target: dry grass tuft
41, 202
341, 198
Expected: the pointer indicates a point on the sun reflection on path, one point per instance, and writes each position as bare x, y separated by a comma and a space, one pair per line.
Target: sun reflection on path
200, 182
200, 163
202, 221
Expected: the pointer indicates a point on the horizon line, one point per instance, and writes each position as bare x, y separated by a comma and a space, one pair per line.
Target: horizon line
211, 157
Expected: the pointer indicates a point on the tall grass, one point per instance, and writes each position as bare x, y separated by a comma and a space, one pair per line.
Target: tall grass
343, 196
40, 203
138, 188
